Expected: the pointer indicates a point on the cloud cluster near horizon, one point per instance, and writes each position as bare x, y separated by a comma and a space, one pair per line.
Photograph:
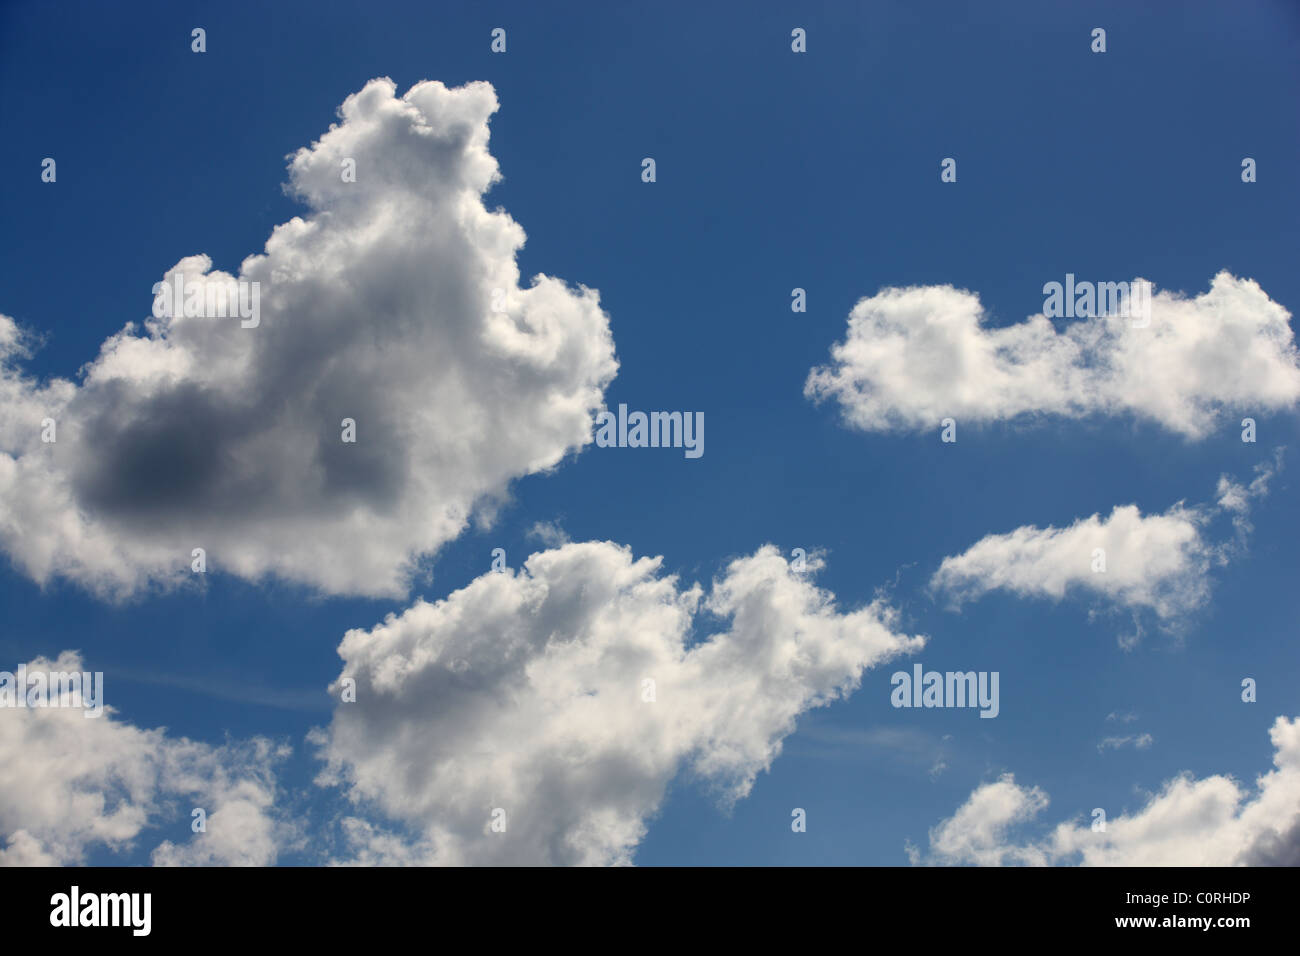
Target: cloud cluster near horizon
69, 786
1212, 821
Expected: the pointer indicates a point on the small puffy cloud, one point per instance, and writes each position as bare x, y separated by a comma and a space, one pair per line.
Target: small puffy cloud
69, 783
548, 533
243, 830
1157, 563
916, 355
571, 692
1213, 821
977, 832
1234, 498
396, 303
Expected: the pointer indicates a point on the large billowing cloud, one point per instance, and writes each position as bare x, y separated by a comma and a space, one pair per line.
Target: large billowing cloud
70, 784
527, 692
915, 356
396, 303
1213, 821
1157, 563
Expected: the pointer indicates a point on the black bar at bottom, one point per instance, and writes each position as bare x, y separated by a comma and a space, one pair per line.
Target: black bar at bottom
336, 906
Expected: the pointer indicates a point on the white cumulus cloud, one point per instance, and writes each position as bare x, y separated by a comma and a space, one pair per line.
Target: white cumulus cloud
70, 784
914, 356
395, 302
530, 691
1212, 821
1159, 563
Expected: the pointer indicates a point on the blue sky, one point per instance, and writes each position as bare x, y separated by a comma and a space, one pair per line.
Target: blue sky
774, 171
